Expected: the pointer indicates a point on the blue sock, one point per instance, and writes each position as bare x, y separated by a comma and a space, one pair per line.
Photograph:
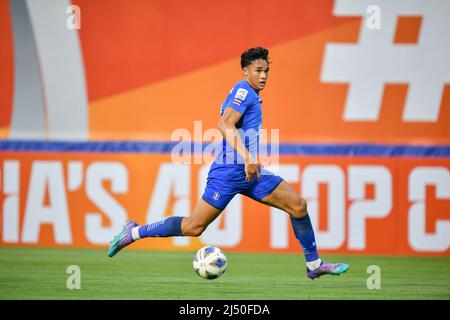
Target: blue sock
304, 233
169, 227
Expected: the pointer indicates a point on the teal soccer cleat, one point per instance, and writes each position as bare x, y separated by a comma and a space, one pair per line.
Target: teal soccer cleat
122, 240
335, 269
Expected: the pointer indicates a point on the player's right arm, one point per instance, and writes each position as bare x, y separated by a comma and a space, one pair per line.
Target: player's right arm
227, 127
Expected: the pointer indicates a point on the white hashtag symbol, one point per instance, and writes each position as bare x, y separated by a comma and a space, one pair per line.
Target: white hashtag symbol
377, 60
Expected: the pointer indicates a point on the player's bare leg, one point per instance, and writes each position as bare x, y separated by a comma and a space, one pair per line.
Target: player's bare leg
200, 218
286, 199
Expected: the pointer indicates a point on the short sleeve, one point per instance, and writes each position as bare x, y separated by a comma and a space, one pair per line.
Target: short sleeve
240, 99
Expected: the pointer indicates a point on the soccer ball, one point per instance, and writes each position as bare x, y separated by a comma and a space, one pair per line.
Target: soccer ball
210, 262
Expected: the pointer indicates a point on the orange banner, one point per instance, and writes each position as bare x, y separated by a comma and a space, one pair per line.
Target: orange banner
128, 77
366, 205
339, 72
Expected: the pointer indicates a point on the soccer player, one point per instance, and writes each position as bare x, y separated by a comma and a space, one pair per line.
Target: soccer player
237, 169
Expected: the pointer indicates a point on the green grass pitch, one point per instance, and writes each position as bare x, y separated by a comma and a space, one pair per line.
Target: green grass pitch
40, 273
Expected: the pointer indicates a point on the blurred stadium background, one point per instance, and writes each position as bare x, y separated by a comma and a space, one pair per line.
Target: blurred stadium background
92, 90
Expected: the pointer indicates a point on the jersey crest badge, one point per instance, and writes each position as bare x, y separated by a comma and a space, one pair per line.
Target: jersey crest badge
241, 94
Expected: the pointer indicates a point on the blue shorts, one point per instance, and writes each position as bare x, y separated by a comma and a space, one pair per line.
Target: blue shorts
225, 181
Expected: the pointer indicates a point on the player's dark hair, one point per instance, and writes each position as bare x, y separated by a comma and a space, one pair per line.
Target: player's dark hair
253, 54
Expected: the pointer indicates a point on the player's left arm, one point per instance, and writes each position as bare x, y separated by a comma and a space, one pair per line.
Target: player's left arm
227, 126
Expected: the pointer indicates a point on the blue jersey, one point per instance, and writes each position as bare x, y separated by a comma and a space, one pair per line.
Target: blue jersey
226, 178
244, 99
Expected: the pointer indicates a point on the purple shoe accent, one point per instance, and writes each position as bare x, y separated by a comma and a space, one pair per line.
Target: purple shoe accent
123, 239
327, 268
